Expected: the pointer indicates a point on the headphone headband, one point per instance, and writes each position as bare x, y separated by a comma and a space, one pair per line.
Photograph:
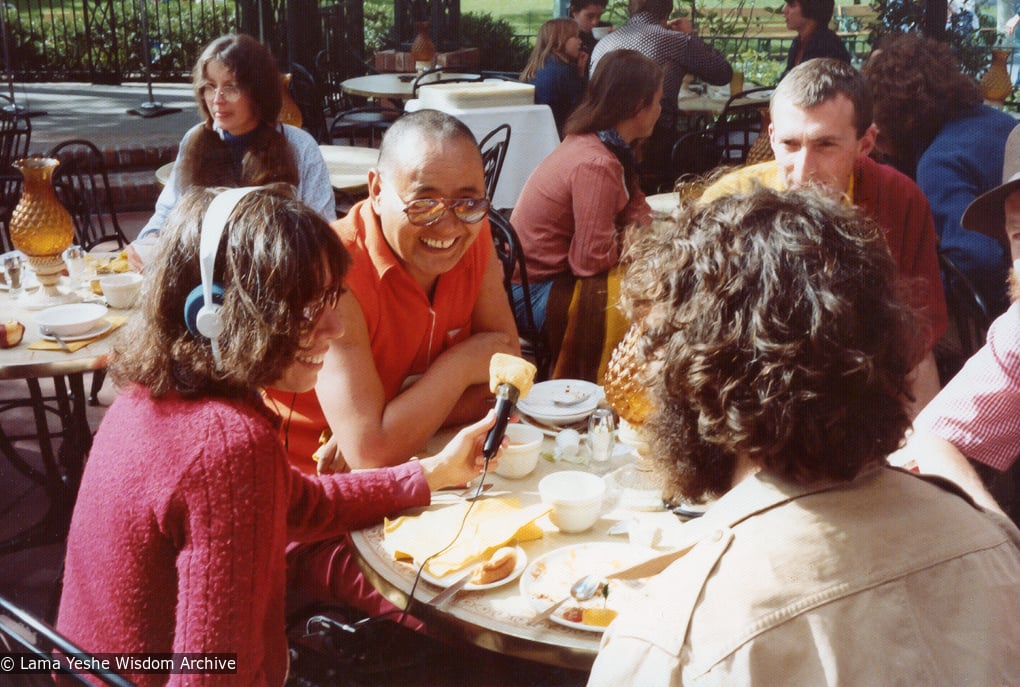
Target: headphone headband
201, 311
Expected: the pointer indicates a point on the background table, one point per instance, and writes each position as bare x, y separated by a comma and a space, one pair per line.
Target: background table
348, 166
498, 619
392, 86
533, 135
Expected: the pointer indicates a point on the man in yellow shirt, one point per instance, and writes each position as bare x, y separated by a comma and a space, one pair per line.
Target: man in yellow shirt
821, 134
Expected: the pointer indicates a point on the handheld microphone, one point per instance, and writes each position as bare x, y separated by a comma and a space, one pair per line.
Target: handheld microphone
510, 378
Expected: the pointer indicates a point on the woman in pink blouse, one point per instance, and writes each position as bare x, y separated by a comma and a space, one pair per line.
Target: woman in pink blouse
577, 203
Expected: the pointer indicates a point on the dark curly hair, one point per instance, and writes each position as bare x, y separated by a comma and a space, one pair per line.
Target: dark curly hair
279, 262
917, 87
774, 325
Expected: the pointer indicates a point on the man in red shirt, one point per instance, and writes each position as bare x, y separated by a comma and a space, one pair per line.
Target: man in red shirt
424, 309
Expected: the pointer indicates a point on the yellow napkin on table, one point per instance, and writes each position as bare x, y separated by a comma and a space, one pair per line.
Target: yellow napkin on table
116, 321
491, 523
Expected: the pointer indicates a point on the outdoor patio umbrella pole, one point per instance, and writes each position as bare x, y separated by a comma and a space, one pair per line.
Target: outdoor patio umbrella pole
150, 108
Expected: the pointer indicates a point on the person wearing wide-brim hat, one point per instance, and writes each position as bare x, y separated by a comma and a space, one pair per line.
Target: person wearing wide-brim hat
977, 415
996, 213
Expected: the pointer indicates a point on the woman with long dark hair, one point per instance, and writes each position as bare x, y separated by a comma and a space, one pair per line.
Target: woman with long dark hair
576, 204
240, 142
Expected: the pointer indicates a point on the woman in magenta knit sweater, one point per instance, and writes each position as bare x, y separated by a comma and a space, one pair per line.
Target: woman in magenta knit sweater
188, 499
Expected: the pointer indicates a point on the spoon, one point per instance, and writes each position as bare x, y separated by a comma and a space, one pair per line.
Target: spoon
583, 589
568, 399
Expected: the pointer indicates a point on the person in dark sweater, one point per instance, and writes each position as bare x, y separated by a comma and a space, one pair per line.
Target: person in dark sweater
810, 19
557, 67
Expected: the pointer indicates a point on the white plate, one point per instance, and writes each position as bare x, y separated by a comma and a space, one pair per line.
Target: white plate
446, 580
28, 282
549, 578
540, 404
760, 95
101, 328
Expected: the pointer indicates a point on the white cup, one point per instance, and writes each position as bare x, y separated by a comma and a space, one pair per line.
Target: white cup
520, 456
121, 290
575, 497
600, 32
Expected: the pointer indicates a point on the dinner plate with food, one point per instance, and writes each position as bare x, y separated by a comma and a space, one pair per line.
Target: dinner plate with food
505, 565
548, 579
561, 401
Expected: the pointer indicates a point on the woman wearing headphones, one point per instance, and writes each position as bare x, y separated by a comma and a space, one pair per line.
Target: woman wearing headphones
239, 142
188, 498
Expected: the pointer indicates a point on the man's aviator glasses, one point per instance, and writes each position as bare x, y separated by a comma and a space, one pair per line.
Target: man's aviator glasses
427, 211
229, 93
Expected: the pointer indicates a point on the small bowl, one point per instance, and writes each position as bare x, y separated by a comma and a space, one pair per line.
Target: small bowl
121, 290
600, 32
73, 319
520, 457
575, 497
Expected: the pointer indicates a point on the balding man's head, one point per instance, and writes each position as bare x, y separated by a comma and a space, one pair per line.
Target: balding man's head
408, 132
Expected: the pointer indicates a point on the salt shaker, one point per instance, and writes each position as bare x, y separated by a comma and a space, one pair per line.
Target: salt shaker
601, 426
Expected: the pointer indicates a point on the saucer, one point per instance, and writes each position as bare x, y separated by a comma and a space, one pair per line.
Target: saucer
99, 330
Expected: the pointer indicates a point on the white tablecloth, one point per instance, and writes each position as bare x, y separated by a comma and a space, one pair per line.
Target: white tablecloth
532, 136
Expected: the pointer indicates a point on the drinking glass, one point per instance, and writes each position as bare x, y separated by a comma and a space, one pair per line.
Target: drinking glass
601, 428
14, 269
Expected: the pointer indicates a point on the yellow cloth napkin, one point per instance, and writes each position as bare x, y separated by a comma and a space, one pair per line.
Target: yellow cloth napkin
116, 321
492, 523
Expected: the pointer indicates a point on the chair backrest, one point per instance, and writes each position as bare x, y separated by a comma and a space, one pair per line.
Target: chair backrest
695, 153
15, 137
83, 185
968, 310
494, 146
740, 124
21, 631
10, 194
511, 257
308, 97
441, 75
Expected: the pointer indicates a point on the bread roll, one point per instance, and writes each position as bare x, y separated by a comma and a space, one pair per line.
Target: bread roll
501, 564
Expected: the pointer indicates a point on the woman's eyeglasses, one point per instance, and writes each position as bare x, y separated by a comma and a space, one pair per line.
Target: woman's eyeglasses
229, 92
426, 211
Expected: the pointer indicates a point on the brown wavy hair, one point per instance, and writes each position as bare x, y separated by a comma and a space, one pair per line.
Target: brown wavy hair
917, 87
277, 258
776, 329
206, 159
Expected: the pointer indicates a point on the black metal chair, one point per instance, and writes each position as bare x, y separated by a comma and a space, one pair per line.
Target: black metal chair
740, 123
20, 631
15, 137
969, 315
494, 146
308, 96
368, 120
511, 256
83, 186
438, 75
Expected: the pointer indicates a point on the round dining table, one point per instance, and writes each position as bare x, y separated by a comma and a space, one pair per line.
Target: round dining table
502, 619
33, 361
388, 85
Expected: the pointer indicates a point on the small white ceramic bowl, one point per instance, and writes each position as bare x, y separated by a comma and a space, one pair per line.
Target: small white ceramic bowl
520, 457
600, 32
575, 497
121, 290
73, 319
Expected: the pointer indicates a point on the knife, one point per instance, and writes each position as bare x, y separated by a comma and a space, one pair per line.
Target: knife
443, 597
